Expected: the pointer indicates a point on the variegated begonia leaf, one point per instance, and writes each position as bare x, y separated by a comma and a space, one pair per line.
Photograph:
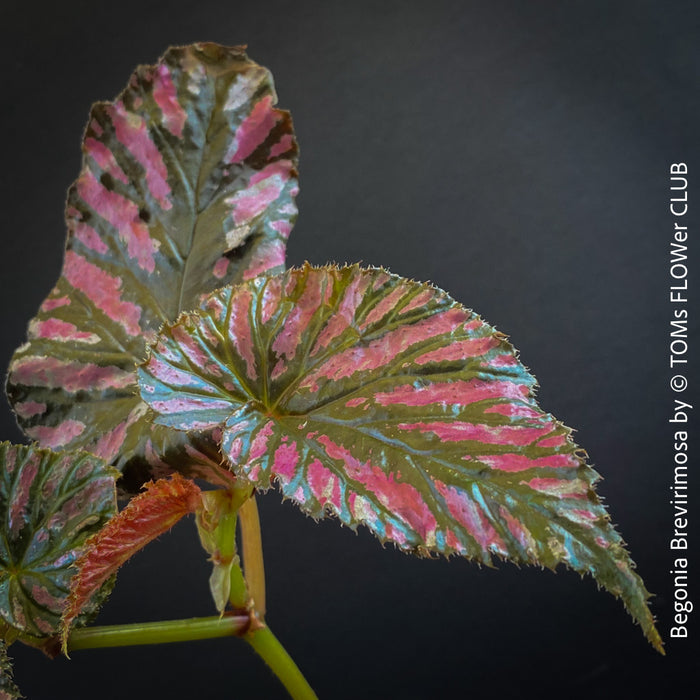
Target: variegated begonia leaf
188, 183
50, 503
151, 513
385, 402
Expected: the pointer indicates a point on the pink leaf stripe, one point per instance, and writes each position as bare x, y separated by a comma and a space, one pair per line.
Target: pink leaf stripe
146, 516
188, 182
50, 503
386, 403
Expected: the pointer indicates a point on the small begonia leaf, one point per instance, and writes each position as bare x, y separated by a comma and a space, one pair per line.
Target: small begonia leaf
188, 183
50, 503
8, 689
385, 402
151, 513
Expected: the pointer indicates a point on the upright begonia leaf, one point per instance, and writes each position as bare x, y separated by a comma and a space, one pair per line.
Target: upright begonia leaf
188, 183
385, 402
8, 689
151, 513
50, 503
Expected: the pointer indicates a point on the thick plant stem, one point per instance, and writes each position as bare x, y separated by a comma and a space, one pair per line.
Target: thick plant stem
259, 636
247, 593
158, 632
280, 662
251, 546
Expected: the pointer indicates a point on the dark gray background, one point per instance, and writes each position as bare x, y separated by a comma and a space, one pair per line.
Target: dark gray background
517, 155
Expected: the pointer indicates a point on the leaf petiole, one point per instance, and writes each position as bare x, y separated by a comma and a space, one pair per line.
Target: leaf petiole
251, 546
261, 639
158, 632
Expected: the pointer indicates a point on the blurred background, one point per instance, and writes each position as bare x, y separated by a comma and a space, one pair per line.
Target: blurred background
515, 154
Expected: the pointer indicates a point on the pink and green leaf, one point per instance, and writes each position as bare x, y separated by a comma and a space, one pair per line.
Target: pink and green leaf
188, 183
386, 403
50, 504
145, 517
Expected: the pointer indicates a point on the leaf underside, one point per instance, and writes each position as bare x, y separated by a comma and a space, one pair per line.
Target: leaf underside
188, 183
50, 503
145, 517
386, 403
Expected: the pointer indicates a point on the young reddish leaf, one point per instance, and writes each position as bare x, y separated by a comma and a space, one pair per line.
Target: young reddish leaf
385, 402
50, 503
188, 183
151, 513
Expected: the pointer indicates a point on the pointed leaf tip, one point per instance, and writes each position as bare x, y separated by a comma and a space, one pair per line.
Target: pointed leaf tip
386, 403
151, 513
188, 182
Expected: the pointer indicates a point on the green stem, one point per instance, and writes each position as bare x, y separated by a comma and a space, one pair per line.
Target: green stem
261, 639
251, 546
158, 632
280, 662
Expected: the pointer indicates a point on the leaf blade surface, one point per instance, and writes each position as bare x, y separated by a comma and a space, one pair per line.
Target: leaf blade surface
188, 183
146, 516
387, 403
50, 503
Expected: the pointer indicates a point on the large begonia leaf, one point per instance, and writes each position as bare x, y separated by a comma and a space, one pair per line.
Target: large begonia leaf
188, 183
385, 402
151, 513
50, 503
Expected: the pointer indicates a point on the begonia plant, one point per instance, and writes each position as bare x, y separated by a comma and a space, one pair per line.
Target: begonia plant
175, 346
